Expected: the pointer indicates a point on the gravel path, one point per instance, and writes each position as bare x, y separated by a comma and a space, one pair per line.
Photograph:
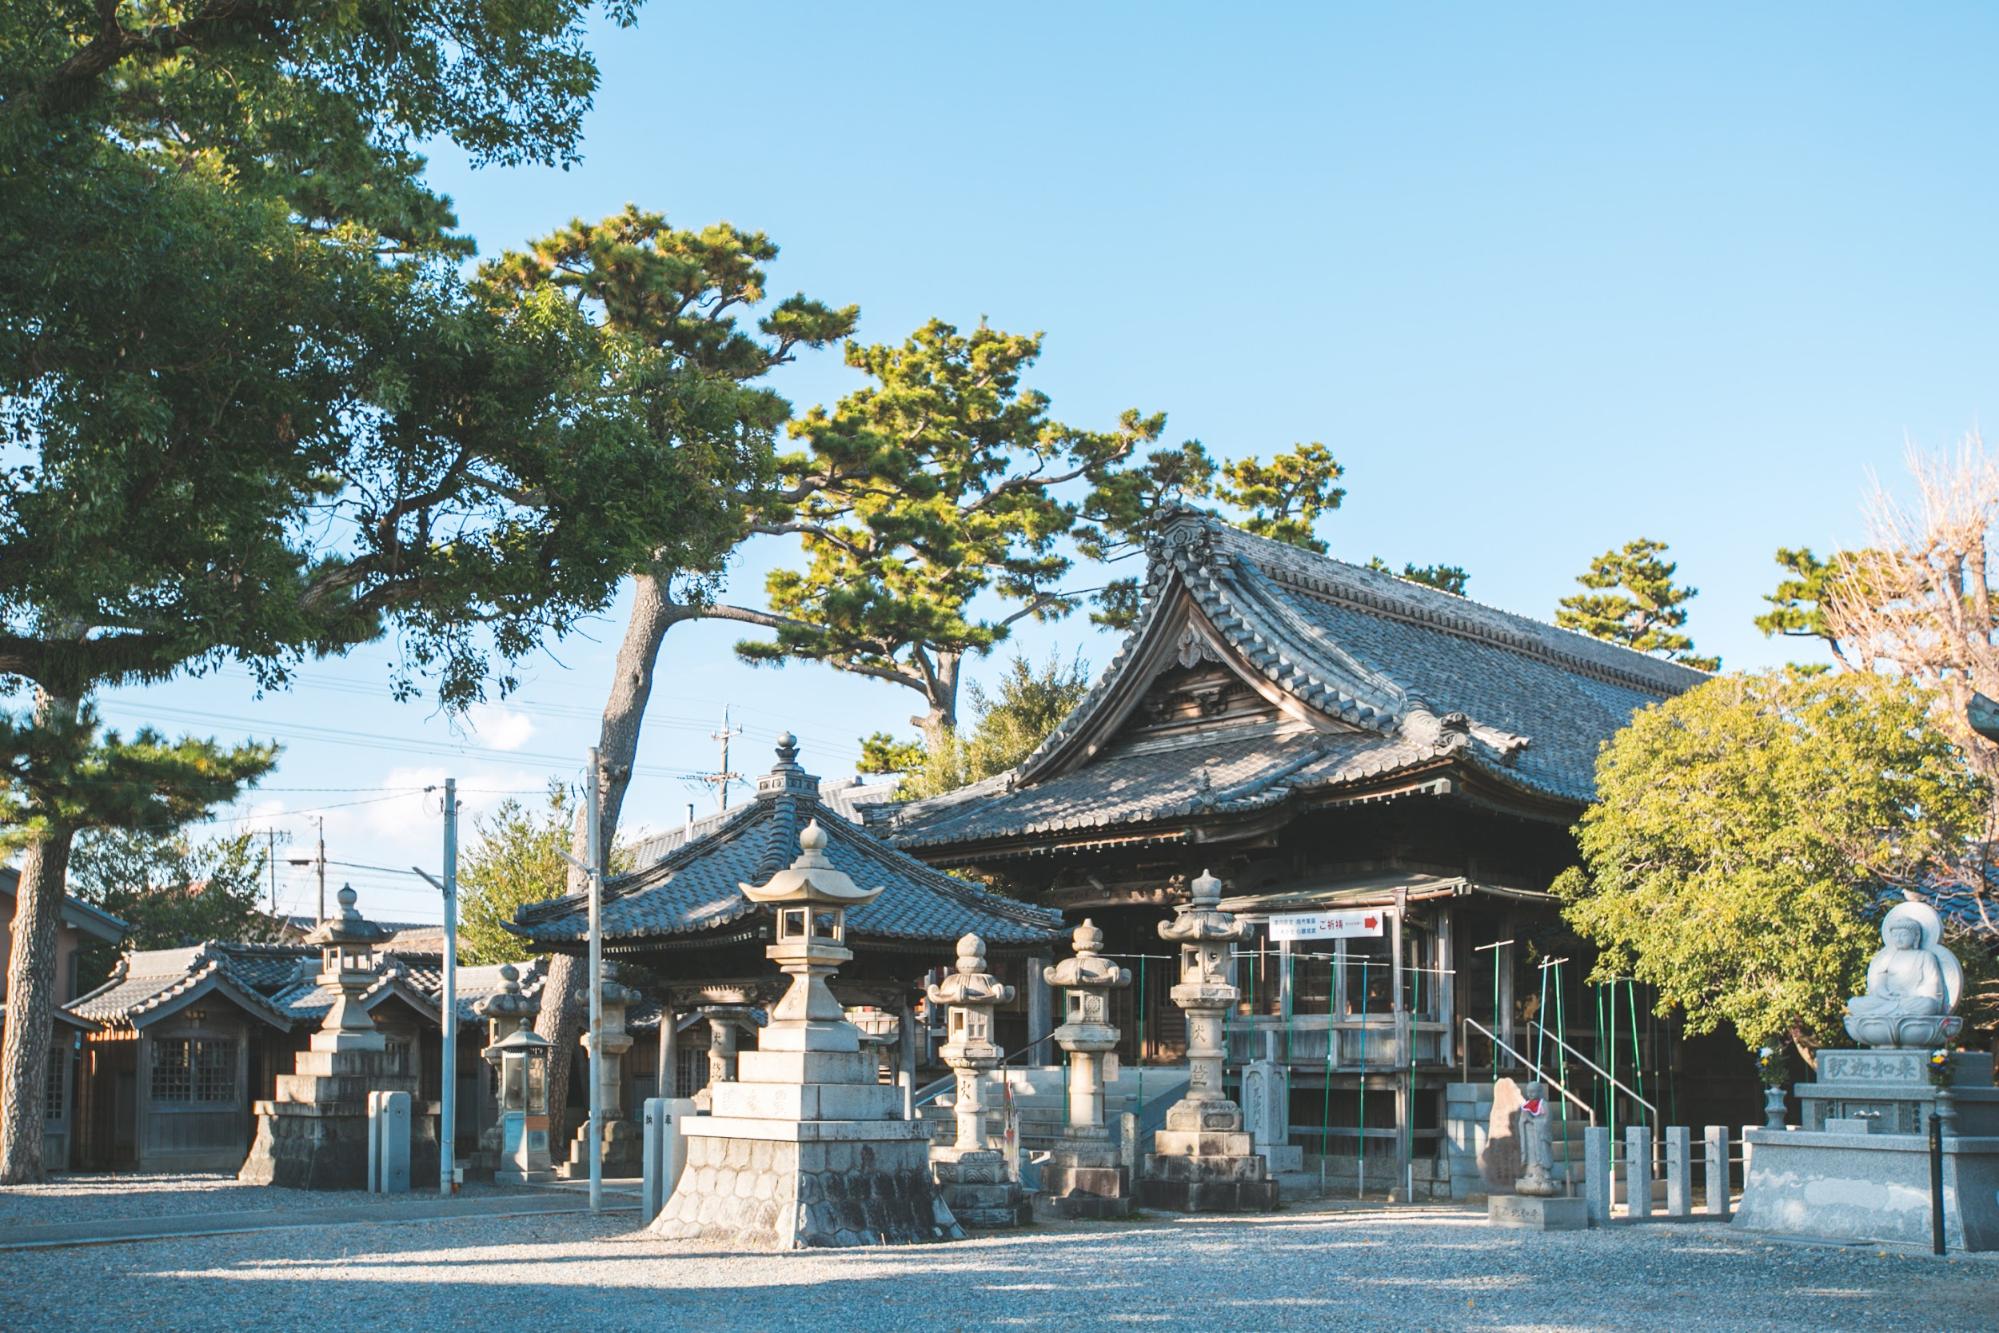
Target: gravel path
1346, 1268
97, 1198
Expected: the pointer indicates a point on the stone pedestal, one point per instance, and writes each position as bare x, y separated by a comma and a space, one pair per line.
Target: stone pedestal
1859, 1170
1537, 1213
806, 1148
1204, 1161
1083, 1176
1266, 1110
978, 1190
1892, 1088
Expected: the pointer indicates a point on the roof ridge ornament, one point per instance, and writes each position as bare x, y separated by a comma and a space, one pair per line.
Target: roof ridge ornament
787, 777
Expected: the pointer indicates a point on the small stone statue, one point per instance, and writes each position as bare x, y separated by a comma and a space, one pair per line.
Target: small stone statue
1913, 984
1535, 1135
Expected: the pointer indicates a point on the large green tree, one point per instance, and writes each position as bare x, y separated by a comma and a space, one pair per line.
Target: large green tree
1743, 833
248, 408
173, 890
691, 312
1630, 598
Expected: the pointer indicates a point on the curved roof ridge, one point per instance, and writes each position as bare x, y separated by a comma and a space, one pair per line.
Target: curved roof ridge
1372, 590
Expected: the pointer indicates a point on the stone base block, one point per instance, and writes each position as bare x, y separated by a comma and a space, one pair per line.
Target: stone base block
1163, 1166
1209, 1196
1203, 1143
1220, 1116
773, 1066
1533, 1213
1087, 1188
976, 1190
1870, 1187
301, 1145
808, 1101
852, 1185
1282, 1157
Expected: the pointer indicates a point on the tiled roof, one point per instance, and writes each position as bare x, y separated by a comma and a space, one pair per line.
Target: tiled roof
695, 887
1404, 675
308, 1002
147, 981
75, 912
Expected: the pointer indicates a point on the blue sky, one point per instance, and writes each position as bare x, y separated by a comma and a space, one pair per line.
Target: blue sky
1544, 281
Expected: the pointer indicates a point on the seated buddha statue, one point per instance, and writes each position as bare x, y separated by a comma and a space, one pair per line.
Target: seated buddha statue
1910, 986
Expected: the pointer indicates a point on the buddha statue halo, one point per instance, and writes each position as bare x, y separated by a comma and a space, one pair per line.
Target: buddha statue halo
1913, 984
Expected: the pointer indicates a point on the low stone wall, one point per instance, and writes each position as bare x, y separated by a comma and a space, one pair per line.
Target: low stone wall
779, 1194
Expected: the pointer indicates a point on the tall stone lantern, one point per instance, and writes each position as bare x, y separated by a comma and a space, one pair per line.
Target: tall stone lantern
971, 1173
623, 1148
807, 1147
313, 1132
520, 1054
1082, 1177
1204, 1161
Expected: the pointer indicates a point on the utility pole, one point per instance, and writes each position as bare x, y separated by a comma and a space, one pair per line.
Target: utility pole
271, 860
322, 869
723, 778
594, 871
447, 1129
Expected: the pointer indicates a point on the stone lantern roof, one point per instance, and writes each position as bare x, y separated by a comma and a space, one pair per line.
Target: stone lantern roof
348, 927
1201, 918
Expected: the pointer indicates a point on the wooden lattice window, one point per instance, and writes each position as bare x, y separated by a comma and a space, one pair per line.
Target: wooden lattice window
194, 1069
55, 1087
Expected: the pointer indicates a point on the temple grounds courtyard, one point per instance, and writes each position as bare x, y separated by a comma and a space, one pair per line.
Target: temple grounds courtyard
1333, 1266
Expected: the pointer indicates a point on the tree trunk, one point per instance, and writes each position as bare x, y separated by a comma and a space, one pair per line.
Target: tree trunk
565, 999
31, 985
941, 693
1807, 1049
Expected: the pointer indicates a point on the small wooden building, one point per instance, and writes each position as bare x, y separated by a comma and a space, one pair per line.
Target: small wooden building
1325, 736
180, 1042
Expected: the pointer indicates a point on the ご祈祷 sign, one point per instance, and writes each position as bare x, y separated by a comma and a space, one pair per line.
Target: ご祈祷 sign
1326, 925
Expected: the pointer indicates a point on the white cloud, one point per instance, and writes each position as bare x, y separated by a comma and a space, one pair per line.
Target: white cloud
499, 727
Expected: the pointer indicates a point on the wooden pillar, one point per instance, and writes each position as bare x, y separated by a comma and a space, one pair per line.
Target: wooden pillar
1502, 958
1040, 1009
1447, 983
906, 1057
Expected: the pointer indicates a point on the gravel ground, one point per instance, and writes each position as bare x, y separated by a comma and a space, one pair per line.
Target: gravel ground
96, 1198
1345, 1268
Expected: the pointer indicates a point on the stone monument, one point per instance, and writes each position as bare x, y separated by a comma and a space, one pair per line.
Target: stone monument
1534, 1202
313, 1134
623, 1147
806, 1148
1082, 1176
1204, 1161
972, 1173
519, 1055
1858, 1167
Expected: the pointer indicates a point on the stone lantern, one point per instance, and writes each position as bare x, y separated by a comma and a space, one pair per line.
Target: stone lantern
520, 1054
623, 1147
807, 1147
1204, 1161
1083, 1177
972, 1174
348, 963
313, 1133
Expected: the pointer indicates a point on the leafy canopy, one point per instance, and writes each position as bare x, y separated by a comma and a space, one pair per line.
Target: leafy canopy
1027, 704
172, 890
516, 858
1743, 832
1632, 600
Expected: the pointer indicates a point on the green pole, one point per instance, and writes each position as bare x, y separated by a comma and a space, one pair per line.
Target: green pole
1360, 1131
1497, 953
1611, 1065
1562, 1059
1637, 1051
1290, 978
1541, 1016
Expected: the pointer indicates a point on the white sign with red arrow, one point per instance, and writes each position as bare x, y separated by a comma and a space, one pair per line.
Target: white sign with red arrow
1326, 925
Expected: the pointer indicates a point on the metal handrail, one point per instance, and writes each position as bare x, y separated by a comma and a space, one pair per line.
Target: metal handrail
1556, 1038
1539, 1072
930, 1092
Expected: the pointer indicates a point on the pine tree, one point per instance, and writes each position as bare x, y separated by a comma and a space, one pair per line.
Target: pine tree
1633, 601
